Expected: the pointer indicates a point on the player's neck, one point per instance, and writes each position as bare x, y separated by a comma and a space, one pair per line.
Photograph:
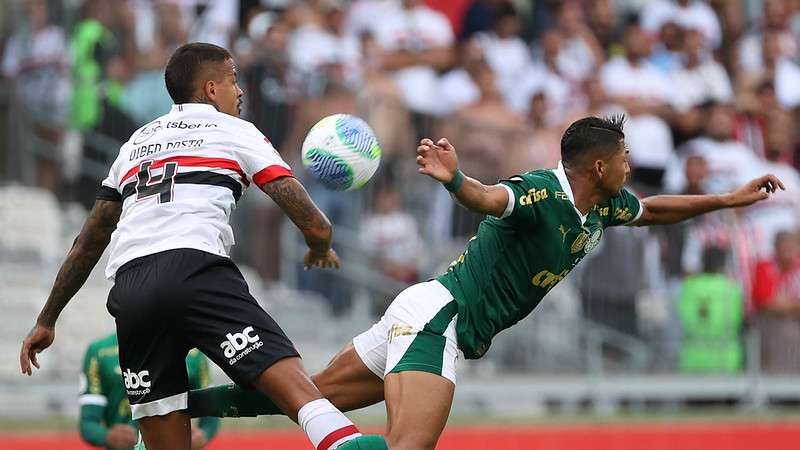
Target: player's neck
584, 196
204, 100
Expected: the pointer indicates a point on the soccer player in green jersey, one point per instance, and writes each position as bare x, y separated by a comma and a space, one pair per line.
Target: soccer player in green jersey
105, 414
540, 225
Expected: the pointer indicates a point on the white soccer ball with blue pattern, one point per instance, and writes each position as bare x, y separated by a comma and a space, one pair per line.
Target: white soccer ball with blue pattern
341, 151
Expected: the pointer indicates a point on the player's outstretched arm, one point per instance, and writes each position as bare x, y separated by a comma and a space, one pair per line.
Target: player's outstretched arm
440, 162
295, 202
81, 259
667, 209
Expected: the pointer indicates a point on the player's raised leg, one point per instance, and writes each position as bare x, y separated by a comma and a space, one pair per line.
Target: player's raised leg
346, 382
418, 404
287, 384
414, 348
226, 323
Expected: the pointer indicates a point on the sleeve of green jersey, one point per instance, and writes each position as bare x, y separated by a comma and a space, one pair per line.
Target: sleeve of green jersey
197, 367
622, 209
91, 384
520, 209
92, 400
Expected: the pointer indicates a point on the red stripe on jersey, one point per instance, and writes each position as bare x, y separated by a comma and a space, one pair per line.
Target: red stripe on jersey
194, 161
264, 176
331, 439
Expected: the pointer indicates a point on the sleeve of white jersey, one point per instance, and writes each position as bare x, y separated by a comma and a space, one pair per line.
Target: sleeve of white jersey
259, 159
109, 187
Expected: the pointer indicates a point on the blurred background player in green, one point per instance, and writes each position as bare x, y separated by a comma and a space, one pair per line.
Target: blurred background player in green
711, 309
105, 414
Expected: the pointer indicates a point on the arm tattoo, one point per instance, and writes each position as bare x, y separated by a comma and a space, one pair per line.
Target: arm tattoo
293, 199
81, 259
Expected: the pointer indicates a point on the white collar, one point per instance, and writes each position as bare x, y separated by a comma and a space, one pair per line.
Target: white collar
561, 175
184, 107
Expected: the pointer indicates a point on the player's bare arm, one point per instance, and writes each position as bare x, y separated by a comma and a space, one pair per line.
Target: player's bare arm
294, 201
668, 209
440, 162
81, 259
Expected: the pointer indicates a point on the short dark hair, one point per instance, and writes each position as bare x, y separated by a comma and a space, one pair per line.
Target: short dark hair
184, 66
583, 137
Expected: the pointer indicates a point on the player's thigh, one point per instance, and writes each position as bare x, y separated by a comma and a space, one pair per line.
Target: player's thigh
168, 432
226, 323
418, 404
417, 332
146, 302
348, 383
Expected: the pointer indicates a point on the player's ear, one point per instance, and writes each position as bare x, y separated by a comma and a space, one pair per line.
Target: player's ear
210, 90
599, 168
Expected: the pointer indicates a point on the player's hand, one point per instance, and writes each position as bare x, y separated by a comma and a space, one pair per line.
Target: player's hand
199, 439
121, 436
39, 338
438, 161
329, 260
756, 190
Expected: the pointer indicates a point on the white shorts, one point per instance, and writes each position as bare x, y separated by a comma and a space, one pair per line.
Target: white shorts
417, 332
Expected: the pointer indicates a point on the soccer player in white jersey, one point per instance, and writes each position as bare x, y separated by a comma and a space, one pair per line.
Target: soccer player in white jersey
165, 208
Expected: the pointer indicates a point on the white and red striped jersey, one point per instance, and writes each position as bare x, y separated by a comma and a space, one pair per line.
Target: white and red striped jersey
179, 178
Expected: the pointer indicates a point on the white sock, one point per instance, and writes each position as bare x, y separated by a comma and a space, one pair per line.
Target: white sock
325, 425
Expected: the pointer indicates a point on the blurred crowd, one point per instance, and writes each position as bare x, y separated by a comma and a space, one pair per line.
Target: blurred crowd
711, 91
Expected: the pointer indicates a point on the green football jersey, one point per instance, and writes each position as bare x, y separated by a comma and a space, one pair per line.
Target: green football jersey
514, 261
102, 384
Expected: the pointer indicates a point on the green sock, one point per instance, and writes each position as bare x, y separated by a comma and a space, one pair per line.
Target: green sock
229, 400
368, 442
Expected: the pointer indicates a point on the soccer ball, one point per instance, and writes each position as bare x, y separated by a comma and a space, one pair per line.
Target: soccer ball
341, 151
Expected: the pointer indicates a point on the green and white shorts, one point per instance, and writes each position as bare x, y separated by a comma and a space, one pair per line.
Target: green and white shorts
417, 332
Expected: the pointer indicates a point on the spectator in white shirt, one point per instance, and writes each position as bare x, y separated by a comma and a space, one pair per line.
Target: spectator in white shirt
775, 19
666, 53
778, 68
633, 83
361, 14
211, 21
418, 43
318, 43
730, 162
504, 49
632, 80
686, 13
580, 52
392, 242
544, 75
36, 56
701, 79
782, 210
456, 87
